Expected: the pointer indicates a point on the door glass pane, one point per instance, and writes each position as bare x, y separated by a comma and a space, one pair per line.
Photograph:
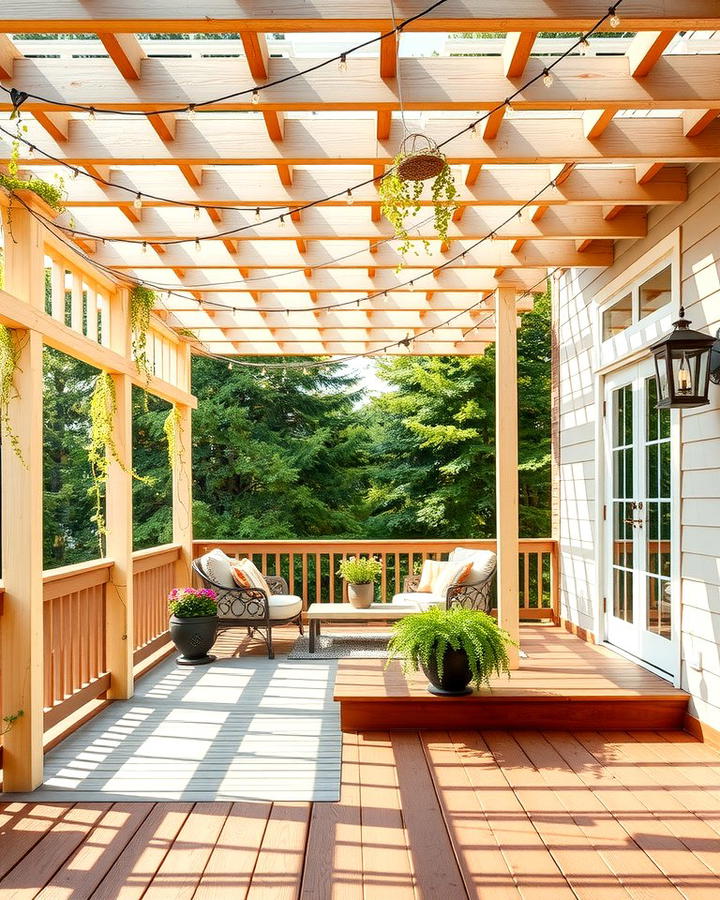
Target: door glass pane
617, 317
622, 506
657, 514
655, 292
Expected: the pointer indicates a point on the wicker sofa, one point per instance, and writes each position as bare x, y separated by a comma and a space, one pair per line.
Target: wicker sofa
253, 608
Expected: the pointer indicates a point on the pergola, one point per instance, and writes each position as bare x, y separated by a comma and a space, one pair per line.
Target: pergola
584, 157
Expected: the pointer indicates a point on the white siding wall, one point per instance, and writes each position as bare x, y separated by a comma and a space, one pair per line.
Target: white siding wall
699, 222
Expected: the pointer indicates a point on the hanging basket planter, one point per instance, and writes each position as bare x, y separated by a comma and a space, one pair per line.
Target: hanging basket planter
419, 159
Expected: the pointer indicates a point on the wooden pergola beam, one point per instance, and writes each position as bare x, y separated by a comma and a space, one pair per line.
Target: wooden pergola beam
516, 52
164, 16
125, 52
8, 54
435, 83
645, 50
256, 53
353, 142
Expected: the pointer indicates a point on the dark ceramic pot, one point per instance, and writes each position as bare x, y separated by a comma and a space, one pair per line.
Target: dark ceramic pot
455, 678
193, 638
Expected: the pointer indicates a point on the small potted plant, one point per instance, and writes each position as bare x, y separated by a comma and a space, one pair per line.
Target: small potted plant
193, 624
360, 574
453, 647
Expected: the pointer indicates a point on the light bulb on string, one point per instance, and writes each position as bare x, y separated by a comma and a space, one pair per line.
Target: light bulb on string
585, 48
144, 246
342, 64
91, 113
75, 173
474, 133
614, 18
281, 223
349, 199
411, 286
197, 244
255, 98
258, 217
548, 78
306, 372
191, 111
138, 201
230, 367
31, 151
196, 213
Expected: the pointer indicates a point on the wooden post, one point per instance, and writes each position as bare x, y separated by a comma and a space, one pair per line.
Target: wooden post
22, 534
182, 475
506, 463
119, 637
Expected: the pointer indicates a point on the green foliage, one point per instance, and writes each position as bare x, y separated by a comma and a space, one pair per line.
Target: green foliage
9, 356
360, 570
142, 303
152, 497
170, 426
425, 637
52, 194
10, 720
433, 437
400, 200
191, 603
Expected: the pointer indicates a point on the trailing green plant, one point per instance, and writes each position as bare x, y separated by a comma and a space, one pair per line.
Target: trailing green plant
424, 637
400, 200
170, 426
9, 721
360, 570
102, 449
9, 356
191, 603
52, 194
142, 303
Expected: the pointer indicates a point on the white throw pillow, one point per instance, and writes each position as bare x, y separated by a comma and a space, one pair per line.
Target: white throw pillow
484, 562
217, 566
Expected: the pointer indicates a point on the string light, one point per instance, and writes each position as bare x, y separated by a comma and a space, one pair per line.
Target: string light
144, 246
255, 98
137, 202
91, 113
349, 199
411, 286
548, 78
474, 133
342, 64
258, 217
191, 111
585, 48
614, 18
196, 213
74, 174
197, 244
281, 223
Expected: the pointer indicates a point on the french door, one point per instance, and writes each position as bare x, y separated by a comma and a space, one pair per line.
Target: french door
641, 616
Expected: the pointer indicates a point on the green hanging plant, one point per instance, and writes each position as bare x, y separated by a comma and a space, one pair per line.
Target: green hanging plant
52, 194
9, 356
9, 721
170, 426
142, 303
402, 188
102, 449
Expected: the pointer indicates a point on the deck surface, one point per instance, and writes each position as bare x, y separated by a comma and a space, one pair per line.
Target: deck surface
488, 814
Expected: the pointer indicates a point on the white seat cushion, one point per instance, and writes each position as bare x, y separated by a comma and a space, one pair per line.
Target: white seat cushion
284, 606
217, 566
423, 601
484, 562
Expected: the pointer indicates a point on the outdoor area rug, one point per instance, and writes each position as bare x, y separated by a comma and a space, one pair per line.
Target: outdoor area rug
238, 729
358, 645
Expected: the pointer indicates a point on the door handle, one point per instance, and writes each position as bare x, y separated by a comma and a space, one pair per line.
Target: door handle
634, 522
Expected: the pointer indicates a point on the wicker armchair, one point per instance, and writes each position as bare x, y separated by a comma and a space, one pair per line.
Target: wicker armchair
469, 594
250, 608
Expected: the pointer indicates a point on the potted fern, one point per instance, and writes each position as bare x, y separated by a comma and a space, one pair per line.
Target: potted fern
360, 574
453, 647
193, 624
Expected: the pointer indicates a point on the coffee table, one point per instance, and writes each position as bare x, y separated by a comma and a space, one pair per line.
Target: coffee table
346, 612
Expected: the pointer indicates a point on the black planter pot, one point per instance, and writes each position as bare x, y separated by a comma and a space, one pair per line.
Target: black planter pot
456, 675
193, 638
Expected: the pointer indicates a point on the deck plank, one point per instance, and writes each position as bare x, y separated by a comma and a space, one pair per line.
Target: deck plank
536, 872
129, 878
22, 825
387, 866
279, 866
484, 868
333, 860
229, 869
683, 869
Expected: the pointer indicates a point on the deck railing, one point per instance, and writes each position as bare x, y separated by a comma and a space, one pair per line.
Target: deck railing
310, 567
153, 579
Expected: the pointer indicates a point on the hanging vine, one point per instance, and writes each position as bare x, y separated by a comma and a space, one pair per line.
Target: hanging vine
9, 357
142, 303
102, 449
52, 194
400, 196
170, 426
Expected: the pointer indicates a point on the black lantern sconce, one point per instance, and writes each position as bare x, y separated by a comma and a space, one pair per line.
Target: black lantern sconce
685, 360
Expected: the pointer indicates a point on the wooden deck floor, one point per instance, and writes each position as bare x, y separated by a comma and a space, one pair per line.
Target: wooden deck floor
562, 679
488, 814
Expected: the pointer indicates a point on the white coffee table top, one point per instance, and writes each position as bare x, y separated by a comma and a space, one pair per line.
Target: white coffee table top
340, 611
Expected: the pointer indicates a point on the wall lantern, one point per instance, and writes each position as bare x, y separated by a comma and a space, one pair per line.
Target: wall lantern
682, 363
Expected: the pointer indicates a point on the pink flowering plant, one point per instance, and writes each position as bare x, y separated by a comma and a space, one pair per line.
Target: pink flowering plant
191, 603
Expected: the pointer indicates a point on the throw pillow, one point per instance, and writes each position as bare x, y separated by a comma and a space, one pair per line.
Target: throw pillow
437, 575
216, 565
247, 574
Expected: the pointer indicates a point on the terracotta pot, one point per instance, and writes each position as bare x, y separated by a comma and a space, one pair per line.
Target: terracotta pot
361, 596
455, 678
193, 637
